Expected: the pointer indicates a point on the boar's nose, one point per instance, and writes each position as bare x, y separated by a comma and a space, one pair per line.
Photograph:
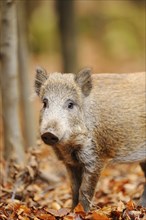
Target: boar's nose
49, 138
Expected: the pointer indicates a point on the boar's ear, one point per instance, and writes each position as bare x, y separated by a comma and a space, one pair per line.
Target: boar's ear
83, 79
40, 78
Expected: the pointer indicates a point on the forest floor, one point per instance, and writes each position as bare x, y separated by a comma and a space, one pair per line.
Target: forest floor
41, 191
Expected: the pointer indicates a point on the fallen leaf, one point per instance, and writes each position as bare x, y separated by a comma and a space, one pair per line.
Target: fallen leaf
58, 213
24, 209
79, 211
55, 206
79, 208
46, 217
99, 216
68, 218
130, 205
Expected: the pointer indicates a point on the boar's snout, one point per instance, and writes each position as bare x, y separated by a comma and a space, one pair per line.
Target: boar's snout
49, 138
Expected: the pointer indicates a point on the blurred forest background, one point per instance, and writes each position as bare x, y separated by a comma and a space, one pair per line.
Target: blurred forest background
60, 35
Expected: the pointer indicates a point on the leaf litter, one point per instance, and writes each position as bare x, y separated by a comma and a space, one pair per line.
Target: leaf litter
41, 190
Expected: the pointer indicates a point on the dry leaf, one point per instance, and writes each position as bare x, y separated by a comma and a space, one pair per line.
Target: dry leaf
44, 216
42, 200
79, 208
130, 205
58, 213
68, 217
99, 216
55, 206
24, 209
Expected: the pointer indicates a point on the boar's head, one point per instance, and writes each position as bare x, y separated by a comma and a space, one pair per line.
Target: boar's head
62, 119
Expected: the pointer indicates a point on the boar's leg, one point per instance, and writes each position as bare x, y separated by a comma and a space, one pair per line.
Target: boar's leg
92, 165
143, 197
75, 174
87, 189
91, 173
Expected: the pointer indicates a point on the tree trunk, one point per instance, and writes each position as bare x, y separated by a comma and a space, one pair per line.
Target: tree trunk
29, 125
9, 82
66, 17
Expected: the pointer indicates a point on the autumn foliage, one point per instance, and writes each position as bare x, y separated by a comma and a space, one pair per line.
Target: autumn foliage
40, 190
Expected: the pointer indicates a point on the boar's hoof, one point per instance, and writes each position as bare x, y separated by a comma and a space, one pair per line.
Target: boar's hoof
49, 138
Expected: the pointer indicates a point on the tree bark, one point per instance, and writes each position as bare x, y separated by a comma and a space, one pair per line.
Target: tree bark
9, 82
67, 28
28, 113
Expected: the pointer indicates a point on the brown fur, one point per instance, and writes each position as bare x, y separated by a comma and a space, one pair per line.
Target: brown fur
107, 123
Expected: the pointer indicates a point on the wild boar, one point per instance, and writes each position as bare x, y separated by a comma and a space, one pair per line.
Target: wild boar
91, 120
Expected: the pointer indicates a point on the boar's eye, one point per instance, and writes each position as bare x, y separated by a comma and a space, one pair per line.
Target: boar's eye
70, 104
45, 102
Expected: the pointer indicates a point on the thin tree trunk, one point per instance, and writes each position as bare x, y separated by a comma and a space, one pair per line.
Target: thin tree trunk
9, 82
66, 22
29, 125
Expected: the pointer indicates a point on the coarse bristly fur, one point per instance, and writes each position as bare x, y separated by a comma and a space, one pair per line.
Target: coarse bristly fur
91, 120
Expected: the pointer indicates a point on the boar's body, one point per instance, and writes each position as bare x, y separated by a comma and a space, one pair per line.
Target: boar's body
115, 113
91, 120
